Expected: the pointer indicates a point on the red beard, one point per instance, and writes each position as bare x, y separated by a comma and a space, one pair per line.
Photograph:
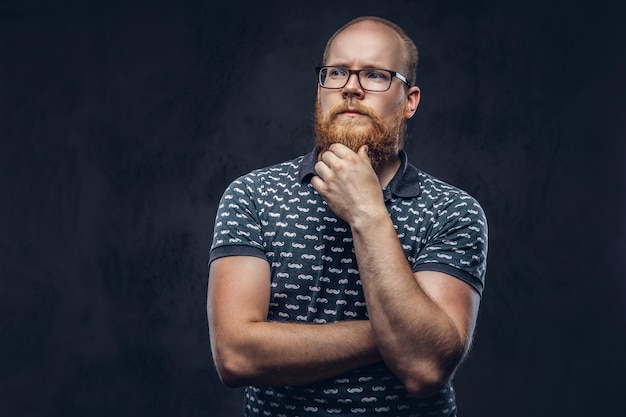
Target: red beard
384, 140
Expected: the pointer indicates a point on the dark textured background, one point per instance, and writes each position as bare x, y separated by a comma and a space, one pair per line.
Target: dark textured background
122, 122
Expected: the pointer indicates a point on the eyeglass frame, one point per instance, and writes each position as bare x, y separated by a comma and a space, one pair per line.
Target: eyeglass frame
394, 74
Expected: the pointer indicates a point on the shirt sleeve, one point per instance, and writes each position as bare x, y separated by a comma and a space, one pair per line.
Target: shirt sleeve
237, 228
458, 243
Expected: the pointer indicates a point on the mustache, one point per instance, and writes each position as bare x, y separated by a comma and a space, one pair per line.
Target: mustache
350, 106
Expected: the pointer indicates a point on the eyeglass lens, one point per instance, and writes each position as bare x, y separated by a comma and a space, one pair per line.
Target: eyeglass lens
370, 78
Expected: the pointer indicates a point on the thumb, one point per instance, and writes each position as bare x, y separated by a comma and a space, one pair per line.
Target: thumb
363, 153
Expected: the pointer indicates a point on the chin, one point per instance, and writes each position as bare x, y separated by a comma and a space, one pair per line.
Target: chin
354, 127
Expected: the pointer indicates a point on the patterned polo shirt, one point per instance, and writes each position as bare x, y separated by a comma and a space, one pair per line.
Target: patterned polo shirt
275, 214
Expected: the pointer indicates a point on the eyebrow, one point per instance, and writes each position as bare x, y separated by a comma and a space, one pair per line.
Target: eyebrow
349, 67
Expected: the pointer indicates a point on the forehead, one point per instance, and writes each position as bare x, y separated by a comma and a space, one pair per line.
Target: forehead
367, 44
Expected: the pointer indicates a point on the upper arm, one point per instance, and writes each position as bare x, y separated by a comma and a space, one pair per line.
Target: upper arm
455, 297
462, 241
238, 293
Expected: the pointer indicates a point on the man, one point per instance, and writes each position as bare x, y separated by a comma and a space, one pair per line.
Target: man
346, 281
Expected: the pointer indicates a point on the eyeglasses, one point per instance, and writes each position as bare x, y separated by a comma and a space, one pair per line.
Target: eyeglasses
370, 79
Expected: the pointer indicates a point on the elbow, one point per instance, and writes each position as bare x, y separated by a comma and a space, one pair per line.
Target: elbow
424, 386
231, 369
229, 376
428, 379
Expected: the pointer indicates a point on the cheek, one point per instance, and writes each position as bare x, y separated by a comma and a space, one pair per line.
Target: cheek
384, 103
326, 103
388, 111
395, 107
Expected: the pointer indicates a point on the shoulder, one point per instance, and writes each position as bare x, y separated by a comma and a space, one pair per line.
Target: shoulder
445, 196
455, 232
287, 170
280, 175
438, 188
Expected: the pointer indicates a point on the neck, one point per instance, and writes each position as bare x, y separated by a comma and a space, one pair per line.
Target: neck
386, 171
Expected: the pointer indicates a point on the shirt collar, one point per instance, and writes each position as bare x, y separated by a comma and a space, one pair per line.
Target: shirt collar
405, 183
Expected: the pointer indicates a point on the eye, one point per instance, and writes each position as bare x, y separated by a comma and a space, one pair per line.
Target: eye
337, 72
377, 75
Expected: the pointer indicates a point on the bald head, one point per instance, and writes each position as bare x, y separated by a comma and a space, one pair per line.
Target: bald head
407, 48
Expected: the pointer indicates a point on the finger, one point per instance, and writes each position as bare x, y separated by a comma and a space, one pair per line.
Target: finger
318, 184
330, 158
340, 150
363, 153
322, 169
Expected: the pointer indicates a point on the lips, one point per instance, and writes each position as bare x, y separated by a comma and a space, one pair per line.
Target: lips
351, 112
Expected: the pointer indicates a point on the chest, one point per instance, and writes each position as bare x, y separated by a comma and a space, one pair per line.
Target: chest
315, 275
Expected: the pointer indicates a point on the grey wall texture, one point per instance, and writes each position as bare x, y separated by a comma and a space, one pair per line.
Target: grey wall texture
122, 122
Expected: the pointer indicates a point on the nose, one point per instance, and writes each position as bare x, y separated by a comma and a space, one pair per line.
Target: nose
353, 87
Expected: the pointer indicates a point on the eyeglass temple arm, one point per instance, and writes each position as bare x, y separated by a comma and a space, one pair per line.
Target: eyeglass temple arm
402, 78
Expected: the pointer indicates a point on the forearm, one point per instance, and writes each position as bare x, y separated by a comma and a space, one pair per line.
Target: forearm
416, 338
273, 353
421, 322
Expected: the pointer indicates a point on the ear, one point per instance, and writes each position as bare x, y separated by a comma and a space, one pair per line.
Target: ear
412, 101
